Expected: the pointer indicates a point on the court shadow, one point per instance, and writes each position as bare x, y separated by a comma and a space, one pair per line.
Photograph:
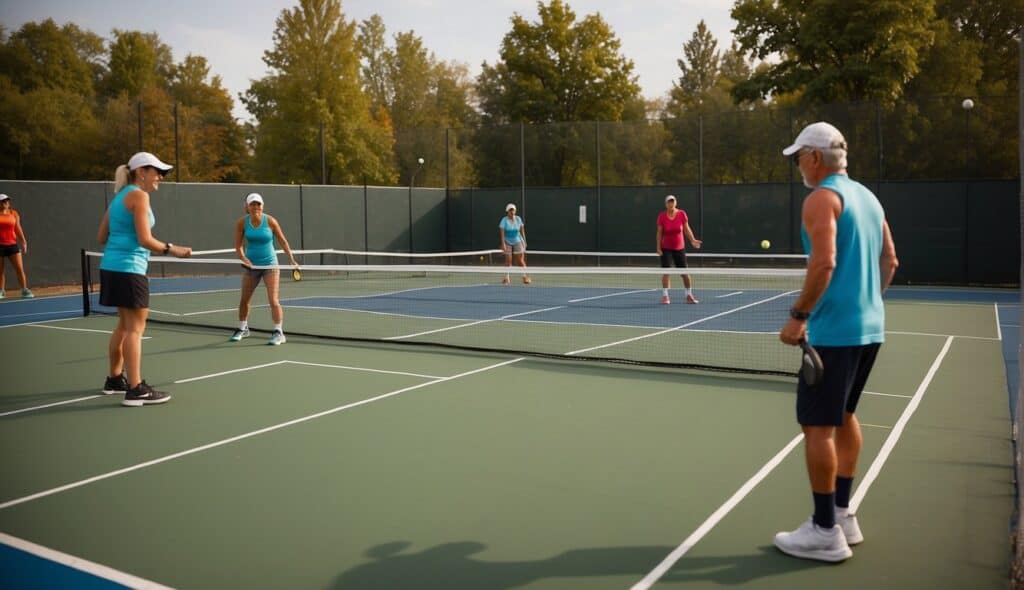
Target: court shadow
453, 566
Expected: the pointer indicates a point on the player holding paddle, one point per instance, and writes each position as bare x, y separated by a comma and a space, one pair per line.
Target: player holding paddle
258, 231
512, 232
851, 261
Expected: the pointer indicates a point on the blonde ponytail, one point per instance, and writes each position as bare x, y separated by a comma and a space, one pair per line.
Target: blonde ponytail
120, 178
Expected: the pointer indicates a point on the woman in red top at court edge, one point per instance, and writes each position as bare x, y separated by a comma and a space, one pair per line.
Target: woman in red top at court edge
672, 225
10, 234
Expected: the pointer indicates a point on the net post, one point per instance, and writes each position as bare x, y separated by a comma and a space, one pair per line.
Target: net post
86, 283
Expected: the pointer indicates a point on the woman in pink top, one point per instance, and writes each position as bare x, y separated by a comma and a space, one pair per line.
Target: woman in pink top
672, 223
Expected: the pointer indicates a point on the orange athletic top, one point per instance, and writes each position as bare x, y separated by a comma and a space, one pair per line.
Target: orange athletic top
8, 236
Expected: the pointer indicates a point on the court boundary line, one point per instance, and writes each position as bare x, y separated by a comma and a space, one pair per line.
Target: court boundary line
22, 315
61, 403
897, 430
78, 563
250, 434
935, 335
686, 325
862, 489
291, 362
2, 326
999, 329
80, 330
888, 394
611, 295
473, 323
716, 516
728, 295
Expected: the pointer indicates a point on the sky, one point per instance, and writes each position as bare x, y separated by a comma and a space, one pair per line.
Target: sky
233, 34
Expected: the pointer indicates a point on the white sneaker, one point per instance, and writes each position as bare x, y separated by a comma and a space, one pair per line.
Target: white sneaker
810, 541
851, 530
239, 334
277, 338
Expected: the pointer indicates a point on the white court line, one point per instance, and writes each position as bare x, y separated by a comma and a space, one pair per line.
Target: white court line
887, 394
729, 294
40, 322
862, 490
222, 373
716, 517
999, 330
364, 369
33, 408
222, 442
875, 425
941, 335
386, 293
701, 320
83, 565
25, 315
505, 317
79, 330
611, 295
897, 431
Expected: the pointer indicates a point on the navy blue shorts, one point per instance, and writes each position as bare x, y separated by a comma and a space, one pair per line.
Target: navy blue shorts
846, 371
9, 250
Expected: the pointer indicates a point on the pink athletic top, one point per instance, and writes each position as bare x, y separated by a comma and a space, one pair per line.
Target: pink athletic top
672, 230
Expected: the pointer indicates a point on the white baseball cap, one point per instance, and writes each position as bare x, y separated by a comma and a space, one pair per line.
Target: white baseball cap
510, 207
820, 135
147, 159
4, 198
670, 198
254, 198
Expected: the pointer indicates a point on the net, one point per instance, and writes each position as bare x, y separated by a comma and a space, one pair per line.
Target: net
597, 313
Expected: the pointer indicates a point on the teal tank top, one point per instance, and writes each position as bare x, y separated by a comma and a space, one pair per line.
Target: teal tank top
259, 243
122, 252
850, 312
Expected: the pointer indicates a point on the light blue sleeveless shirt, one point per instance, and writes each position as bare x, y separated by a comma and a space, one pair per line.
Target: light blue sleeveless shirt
259, 243
122, 252
511, 229
850, 312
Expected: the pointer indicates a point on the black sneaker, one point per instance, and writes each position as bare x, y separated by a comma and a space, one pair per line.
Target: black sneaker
144, 395
117, 384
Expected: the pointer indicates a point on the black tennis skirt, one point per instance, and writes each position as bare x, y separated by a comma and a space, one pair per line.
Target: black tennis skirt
123, 289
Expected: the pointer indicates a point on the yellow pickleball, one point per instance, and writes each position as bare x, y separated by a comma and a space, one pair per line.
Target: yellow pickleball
765, 244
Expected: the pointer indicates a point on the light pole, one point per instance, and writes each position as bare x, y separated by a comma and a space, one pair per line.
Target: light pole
967, 105
412, 182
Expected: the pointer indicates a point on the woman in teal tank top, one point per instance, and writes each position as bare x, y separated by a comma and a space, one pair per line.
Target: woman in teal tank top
126, 235
255, 233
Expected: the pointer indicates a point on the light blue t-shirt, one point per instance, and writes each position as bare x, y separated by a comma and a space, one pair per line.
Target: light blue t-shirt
123, 253
259, 243
850, 312
511, 229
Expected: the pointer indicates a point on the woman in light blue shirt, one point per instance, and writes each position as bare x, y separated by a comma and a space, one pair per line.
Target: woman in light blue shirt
512, 232
257, 231
127, 238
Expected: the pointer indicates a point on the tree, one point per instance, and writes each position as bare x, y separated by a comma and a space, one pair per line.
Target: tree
557, 70
700, 70
42, 55
833, 50
315, 81
137, 61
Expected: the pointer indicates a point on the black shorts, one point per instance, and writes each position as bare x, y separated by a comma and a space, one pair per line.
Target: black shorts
9, 250
123, 289
669, 256
257, 274
846, 371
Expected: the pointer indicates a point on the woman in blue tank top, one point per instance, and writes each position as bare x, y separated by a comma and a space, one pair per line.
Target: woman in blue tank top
254, 243
127, 239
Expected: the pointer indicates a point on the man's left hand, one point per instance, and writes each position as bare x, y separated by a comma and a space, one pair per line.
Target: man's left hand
793, 332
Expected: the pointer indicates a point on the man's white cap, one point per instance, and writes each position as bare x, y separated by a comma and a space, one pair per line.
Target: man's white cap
147, 159
670, 198
818, 135
254, 198
510, 207
3, 198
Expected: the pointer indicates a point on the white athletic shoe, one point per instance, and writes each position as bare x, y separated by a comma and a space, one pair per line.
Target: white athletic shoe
810, 541
277, 338
239, 334
851, 529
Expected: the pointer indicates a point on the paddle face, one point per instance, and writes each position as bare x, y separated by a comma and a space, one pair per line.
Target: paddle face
811, 367
296, 275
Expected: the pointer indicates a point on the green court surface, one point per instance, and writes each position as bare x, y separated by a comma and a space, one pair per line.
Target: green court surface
321, 464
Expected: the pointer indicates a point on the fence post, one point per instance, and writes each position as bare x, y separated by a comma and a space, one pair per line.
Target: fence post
522, 164
140, 123
700, 170
323, 156
447, 191
177, 153
597, 215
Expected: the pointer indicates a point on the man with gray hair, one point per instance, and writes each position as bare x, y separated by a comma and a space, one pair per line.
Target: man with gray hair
851, 261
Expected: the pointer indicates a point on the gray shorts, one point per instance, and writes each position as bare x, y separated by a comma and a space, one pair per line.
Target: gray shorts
257, 274
517, 248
